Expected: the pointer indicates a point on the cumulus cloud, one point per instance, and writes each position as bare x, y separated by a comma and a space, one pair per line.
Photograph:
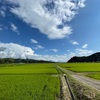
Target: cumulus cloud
14, 28
54, 50
81, 3
49, 16
34, 41
75, 43
82, 52
12, 50
85, 46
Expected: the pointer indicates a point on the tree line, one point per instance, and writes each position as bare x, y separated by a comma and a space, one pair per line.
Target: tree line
11, 60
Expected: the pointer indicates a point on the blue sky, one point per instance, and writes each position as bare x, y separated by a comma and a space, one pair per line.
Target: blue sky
49, 30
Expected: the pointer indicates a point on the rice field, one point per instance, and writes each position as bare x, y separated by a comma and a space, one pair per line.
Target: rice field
27, 69
91, 70
82, 67
29, 82
94, 75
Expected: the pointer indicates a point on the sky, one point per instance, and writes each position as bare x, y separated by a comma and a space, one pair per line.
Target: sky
53, 30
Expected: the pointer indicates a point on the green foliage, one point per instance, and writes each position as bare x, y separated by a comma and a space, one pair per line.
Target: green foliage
82, 67
29, 87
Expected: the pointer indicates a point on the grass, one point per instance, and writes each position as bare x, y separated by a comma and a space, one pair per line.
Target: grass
82, 67
94, 75
29, 82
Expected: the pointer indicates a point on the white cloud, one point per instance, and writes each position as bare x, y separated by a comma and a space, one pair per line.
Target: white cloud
38, 15
54, 50
81, 3
34, 41
38, 47
12, 50
14, 28
85, 46
82, 52
74, 42
56, 58
68, 50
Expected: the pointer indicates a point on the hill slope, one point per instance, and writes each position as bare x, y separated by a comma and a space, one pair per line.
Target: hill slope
92, 58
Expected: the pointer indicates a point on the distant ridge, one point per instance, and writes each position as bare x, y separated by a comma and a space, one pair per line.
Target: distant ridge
92, 58
12, 60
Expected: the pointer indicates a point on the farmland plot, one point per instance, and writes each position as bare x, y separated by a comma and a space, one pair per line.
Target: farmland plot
82, 67
27, 69
29, 82
91, 70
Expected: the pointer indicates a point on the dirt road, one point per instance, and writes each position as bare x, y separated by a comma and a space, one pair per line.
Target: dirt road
88, 81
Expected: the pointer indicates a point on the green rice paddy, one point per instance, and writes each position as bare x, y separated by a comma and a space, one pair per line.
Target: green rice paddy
27, 69
82, 67
94, 75
29, 82
91, 70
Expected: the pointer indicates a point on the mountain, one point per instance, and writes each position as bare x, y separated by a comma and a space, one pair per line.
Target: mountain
92, 58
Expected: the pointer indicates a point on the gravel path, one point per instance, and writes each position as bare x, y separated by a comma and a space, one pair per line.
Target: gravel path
88, 81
